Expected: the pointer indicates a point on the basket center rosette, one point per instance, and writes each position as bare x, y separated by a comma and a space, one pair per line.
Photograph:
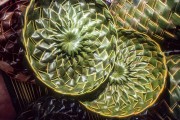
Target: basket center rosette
137, 80
70, 44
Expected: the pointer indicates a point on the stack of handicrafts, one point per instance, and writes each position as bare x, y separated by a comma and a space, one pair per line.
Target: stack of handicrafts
75, 48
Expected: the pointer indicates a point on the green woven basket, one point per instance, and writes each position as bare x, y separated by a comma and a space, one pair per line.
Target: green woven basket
137, 80
70, 44
157, 18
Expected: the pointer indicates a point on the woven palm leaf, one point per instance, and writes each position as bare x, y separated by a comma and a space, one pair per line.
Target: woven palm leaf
137, 80
168, 107
160, 19
173, 64
11, 53
10, 28
52, 108
70, 44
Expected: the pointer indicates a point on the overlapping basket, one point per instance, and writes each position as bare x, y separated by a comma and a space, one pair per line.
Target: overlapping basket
75, 48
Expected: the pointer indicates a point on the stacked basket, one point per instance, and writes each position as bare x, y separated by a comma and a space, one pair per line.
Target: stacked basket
101, 56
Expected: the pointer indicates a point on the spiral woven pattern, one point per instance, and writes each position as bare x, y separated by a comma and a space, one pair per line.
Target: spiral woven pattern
137, 80
70, 44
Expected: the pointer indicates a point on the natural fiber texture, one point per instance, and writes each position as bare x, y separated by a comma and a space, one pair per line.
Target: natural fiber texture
133, 87
74, 55
160, 19
10, 28
168, 107
51, 108
11, 53
173, 64
137, 80
23, 93
70, 44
